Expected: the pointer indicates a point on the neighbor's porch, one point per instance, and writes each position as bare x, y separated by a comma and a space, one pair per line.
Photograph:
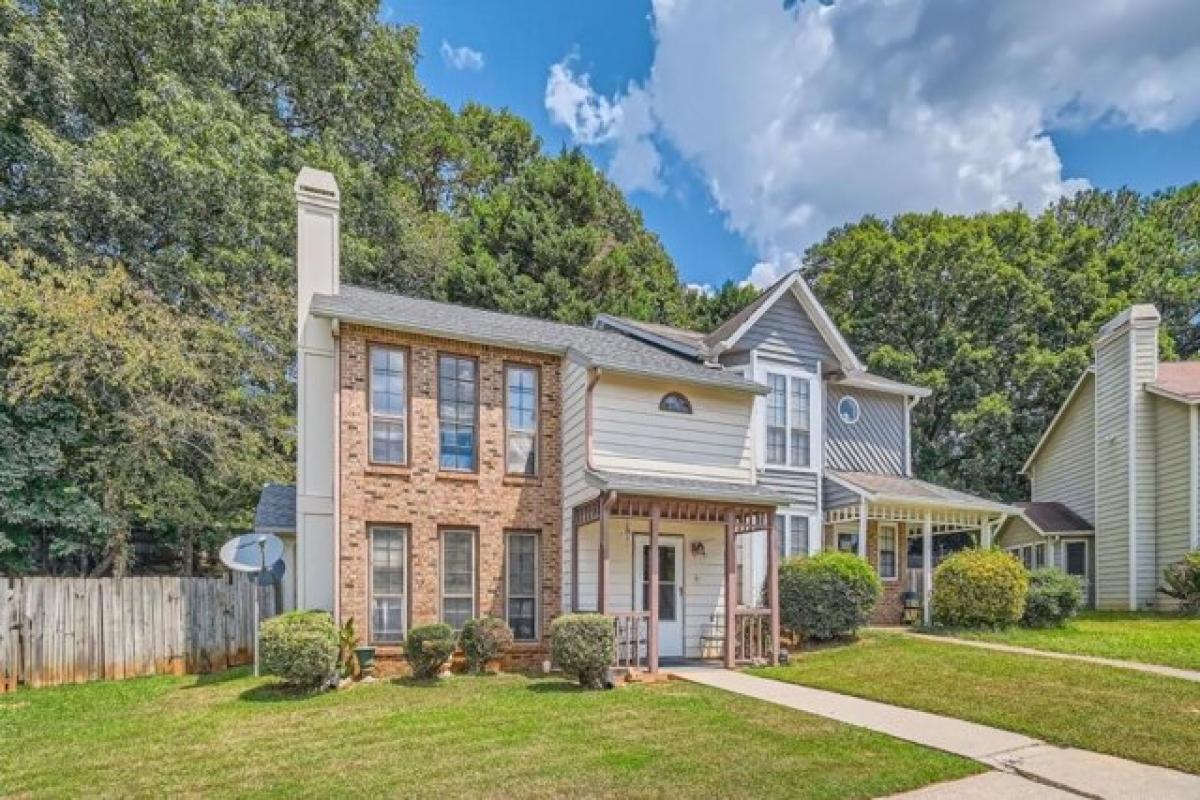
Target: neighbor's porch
904, 543
640, 558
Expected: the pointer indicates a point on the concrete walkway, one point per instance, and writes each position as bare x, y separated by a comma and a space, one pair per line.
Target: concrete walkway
1077, 771
1136, 666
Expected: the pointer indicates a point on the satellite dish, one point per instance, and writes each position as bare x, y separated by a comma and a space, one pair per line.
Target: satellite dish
272, 576
252, 552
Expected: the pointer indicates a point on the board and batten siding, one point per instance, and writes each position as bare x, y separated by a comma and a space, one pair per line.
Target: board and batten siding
785, 333
1065, 469
631, 435
1174, 508
574, 461
873, 444
1113, 385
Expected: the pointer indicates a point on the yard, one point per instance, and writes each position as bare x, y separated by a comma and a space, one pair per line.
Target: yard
1153, 638
509, 735
1147, 718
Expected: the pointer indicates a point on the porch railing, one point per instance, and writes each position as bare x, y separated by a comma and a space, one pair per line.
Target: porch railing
752, 629
631, 630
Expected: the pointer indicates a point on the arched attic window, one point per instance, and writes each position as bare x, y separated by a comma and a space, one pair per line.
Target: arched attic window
675, 403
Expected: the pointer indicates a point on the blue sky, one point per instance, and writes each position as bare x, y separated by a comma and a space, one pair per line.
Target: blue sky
743, 137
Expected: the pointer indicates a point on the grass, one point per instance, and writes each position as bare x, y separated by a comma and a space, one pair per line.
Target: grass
497, 736
1144, 717
1151, 638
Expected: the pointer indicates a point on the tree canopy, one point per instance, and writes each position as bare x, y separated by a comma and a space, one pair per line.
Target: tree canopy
147, 152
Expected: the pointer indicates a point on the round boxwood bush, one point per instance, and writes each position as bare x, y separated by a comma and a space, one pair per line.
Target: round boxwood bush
1182, 581
979, 589
828, 595
1052, 599
428, 648
301, 647
484, 640
582, 646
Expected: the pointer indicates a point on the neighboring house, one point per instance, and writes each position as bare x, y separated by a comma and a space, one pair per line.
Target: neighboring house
454, 462
1115, 479
276, 514
835, 440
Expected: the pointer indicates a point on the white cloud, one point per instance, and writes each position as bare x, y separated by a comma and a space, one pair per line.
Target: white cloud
800, 121
627, 121
702, 289
463, 57
763, 274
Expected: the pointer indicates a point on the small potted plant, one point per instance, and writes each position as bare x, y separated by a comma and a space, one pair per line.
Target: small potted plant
354, 659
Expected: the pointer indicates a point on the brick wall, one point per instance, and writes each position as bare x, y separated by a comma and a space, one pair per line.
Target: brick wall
890, 609
426, 501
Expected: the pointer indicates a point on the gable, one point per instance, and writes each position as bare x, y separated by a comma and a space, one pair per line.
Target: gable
785, 332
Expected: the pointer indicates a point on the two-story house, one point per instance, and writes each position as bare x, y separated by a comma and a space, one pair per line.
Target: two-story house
454, 463
1115, 477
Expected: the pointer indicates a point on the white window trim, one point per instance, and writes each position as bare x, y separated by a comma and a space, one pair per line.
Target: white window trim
372, 414
814, 527
857, 409
816, 405
443, 595
537, 421
895, 529
404, 538
537, 582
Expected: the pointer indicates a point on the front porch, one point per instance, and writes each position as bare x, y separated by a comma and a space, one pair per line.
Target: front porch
675, 560
904, 527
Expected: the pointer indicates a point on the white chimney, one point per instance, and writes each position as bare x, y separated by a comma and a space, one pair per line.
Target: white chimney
317, 268
1126, 360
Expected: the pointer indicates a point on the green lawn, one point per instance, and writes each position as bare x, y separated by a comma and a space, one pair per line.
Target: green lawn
1144, 717
499, 736
1151, 638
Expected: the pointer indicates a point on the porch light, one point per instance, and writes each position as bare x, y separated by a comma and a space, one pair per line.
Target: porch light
698, 549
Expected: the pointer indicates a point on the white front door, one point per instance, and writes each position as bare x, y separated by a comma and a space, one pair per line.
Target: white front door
670, 590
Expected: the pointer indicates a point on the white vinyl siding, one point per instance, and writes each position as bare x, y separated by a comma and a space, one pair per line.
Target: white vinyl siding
574, 464
1174, 482
1065, 469
1113, 384
630, 434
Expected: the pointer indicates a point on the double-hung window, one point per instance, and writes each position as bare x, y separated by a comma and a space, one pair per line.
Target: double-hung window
788, 420
521, 419
888, 553
389, 405
389, 560
458, 577
458, 413
791, 530
521, 584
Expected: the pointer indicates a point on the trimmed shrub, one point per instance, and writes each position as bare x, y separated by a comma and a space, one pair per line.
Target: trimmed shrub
1183, 582
428, 648
582, 646
827, 595
301, 647
1052, 599
483, 640
979, 589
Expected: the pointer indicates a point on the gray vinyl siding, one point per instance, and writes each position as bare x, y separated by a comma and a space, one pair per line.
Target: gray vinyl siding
574, 461
1146, 466
1016, 531
873, 444
785, 333
1174, 482
800, 487
838, 496
1065, 469
1112, 450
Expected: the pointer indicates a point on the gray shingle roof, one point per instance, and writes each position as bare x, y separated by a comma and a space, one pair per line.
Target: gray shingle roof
276, 508
1054, 518
685, 488
898, 488
599, 348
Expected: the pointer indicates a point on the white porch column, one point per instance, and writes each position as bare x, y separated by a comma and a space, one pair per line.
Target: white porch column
862, 528
927, 569
985, 534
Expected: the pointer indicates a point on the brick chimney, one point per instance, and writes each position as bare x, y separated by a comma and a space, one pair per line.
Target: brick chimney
317, 267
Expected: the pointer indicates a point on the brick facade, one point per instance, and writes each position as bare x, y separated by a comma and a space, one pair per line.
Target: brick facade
426, 500
890, 609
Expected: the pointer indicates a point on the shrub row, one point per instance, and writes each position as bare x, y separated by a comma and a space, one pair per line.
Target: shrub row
991, 589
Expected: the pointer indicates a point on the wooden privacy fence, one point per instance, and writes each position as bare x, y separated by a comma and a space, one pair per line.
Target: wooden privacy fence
71, 630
